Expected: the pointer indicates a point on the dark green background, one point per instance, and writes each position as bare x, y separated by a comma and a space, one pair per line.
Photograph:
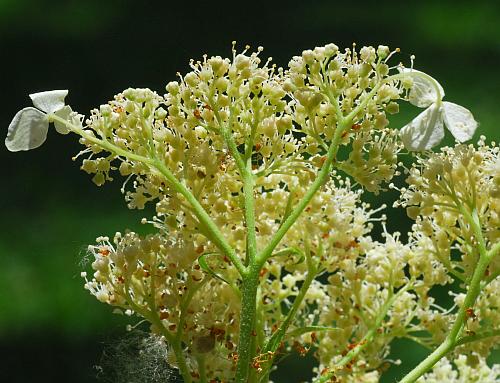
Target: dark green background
50, 328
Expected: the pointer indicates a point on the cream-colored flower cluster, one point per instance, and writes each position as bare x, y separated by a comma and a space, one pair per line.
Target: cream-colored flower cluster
323, 75
470, 369
290, 119
261, 236
444, 185
444, 188
159, 279
358, 297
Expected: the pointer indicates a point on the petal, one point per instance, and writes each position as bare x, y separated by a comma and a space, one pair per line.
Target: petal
459, 121
63, 113
28, 130
424, 90
424, 131
49, 101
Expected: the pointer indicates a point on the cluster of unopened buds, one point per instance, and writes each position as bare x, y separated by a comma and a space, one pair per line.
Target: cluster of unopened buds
261, 244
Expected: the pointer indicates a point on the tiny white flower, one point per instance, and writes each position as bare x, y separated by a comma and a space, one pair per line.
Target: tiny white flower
29, 127
427, 129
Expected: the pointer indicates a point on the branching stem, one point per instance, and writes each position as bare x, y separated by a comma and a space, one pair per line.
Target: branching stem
156, 165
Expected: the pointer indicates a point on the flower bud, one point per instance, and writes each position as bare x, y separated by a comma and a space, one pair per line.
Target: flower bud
383, 51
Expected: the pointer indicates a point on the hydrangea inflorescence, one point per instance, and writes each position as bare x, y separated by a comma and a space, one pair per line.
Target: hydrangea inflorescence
261, 243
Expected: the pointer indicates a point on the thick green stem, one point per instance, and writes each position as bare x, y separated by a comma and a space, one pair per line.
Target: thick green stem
181, 362
200, 360
250, 284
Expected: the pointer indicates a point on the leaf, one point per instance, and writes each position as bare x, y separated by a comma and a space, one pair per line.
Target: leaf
204, 266
459, 121
28, 130
49, 101
424, 90
424, 131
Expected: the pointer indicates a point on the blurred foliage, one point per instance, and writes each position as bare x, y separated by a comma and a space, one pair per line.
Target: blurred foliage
95, 48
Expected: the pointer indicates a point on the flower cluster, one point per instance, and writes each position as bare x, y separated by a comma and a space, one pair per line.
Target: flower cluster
471, 369
160, 279
261, 241
441, 186
359, 297
327, 84
444, 189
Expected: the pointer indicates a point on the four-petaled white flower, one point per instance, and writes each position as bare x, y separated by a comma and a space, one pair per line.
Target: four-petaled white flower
427, 129
29, 127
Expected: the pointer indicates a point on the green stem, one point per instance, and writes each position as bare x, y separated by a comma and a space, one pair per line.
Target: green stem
275, 340
250, 283
181, 362
452, 338
215, 235
342, 126
245, 169
248, 187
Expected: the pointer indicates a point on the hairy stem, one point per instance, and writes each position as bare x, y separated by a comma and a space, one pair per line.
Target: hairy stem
250, 284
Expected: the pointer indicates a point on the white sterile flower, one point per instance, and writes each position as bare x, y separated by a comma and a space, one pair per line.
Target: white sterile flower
424, 131
29, 127
427, 129
49, 101
425, 89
